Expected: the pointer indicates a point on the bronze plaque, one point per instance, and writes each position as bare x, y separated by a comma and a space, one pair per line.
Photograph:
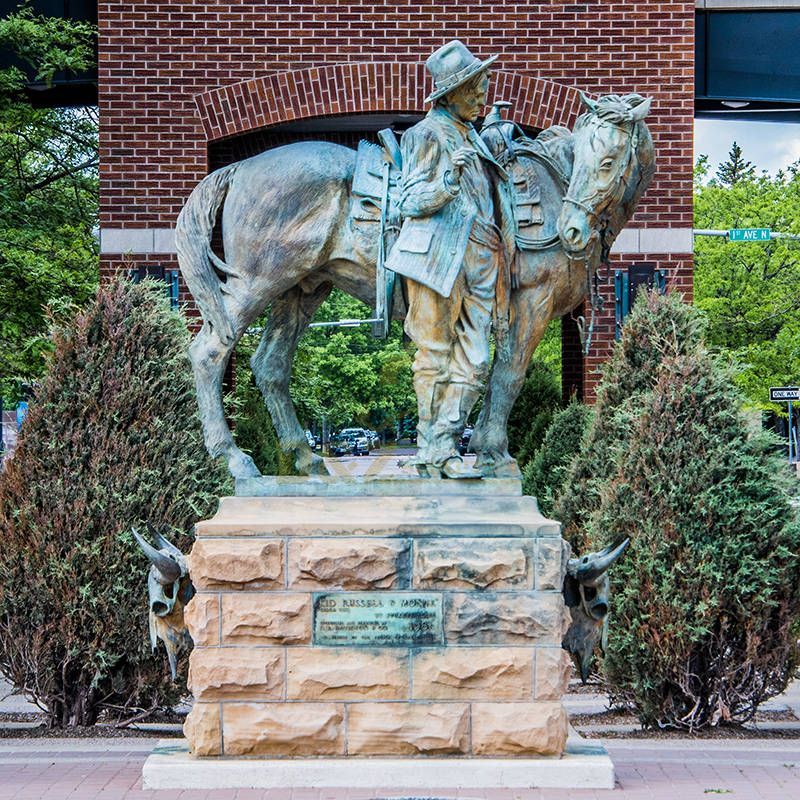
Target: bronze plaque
378, 619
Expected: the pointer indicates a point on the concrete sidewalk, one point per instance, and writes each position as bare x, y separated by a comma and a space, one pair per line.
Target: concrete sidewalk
102, 769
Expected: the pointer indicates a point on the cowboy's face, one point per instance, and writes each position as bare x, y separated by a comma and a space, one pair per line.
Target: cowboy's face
467, 100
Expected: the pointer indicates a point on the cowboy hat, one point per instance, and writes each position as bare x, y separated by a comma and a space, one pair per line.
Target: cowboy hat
451, 66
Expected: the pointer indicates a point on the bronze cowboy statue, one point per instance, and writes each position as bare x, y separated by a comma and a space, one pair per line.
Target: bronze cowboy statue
454, 249
301, 219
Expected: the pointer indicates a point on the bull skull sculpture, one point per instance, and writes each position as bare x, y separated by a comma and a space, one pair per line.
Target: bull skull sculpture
169, 588
586, 593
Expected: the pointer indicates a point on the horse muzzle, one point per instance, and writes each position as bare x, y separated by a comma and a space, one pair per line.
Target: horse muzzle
574, 230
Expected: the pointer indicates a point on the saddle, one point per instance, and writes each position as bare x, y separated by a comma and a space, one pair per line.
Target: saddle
538, 187
374, 213
368, 185
538, 181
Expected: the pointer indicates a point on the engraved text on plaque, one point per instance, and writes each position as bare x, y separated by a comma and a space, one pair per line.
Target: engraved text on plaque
378, 619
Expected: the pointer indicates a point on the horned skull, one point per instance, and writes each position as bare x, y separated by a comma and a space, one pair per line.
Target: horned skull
169, 588
586, 593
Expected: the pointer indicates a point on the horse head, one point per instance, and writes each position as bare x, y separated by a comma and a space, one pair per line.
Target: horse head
613, 162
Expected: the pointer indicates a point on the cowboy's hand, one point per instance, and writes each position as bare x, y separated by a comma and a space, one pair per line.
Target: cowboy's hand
462, 157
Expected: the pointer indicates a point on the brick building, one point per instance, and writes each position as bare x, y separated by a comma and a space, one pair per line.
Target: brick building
187, 87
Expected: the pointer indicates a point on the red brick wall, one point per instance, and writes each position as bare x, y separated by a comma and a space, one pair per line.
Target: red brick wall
155, 58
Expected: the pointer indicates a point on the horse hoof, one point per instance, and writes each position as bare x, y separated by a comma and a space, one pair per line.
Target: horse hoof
242, 466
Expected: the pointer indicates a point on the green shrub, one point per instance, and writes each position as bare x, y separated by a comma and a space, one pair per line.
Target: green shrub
705, 603
254, 431
658, 327
112, 439
538, 400
544, 476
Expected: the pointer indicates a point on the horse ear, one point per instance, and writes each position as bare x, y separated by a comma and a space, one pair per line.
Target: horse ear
590, 104
641, 108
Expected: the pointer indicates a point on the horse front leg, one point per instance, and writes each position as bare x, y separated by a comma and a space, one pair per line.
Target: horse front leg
272, 368
531, 313
209, 357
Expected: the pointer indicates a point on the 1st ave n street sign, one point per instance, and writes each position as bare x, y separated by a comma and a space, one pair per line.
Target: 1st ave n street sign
783, 394
749, 235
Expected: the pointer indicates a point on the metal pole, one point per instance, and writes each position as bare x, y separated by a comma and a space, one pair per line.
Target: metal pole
791, 461
724, 234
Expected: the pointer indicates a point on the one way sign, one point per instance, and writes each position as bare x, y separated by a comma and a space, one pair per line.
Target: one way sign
783, 394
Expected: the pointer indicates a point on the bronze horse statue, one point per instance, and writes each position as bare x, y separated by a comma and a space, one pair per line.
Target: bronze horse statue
289, 237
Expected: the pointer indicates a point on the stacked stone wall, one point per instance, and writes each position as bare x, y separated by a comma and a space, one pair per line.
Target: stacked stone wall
485, 678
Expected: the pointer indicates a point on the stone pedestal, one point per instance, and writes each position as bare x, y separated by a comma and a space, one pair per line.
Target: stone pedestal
386, 618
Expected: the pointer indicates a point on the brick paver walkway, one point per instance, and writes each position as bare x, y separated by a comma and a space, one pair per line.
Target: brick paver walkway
646, 770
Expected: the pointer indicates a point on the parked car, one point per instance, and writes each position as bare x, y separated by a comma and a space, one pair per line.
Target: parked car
312, 442
374, 440
463, 442
351, 441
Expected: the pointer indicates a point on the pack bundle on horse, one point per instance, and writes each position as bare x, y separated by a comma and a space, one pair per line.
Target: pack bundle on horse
294, 225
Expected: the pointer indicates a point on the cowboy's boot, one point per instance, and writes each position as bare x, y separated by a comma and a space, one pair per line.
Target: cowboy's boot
453, 413
428, 388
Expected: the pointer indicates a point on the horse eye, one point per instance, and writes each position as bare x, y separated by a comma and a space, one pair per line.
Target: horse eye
606, 163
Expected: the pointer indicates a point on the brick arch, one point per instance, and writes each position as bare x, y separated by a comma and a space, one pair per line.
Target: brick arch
359, 88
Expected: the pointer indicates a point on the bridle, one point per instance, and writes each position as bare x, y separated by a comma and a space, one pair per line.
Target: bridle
600, 222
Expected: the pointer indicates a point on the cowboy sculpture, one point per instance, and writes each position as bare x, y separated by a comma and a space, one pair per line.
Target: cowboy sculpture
454, 249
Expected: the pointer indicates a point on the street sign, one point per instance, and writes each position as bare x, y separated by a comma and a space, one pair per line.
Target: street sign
784, 394
749, 235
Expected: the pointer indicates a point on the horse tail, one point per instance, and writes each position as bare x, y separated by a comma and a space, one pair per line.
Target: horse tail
200, 266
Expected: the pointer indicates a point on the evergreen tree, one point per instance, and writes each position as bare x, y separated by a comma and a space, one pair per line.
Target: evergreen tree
538, 400
544, 476
706, 602
658, 327
112, 440
735, 169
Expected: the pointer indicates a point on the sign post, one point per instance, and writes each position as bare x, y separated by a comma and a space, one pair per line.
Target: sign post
787, 394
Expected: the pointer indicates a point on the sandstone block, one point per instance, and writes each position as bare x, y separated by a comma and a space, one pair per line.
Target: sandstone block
407, 729
236, 673
551, 563
237, 564
266, 618
203, 729
472, 564
202, 619
553, 671
480, 673
348, 564
518, 618
346, 674
283, 729
518, 729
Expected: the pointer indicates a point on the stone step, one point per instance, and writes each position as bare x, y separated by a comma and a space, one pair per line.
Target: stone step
451, 515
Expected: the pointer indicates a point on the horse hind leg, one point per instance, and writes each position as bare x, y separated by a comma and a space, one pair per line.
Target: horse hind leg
272, 368
209, 357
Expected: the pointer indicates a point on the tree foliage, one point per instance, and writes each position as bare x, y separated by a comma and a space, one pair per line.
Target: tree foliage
112, 439
539, 399
735, 169
345, 375
750, 292
48, 194
706, 602
658, 327
544, 476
